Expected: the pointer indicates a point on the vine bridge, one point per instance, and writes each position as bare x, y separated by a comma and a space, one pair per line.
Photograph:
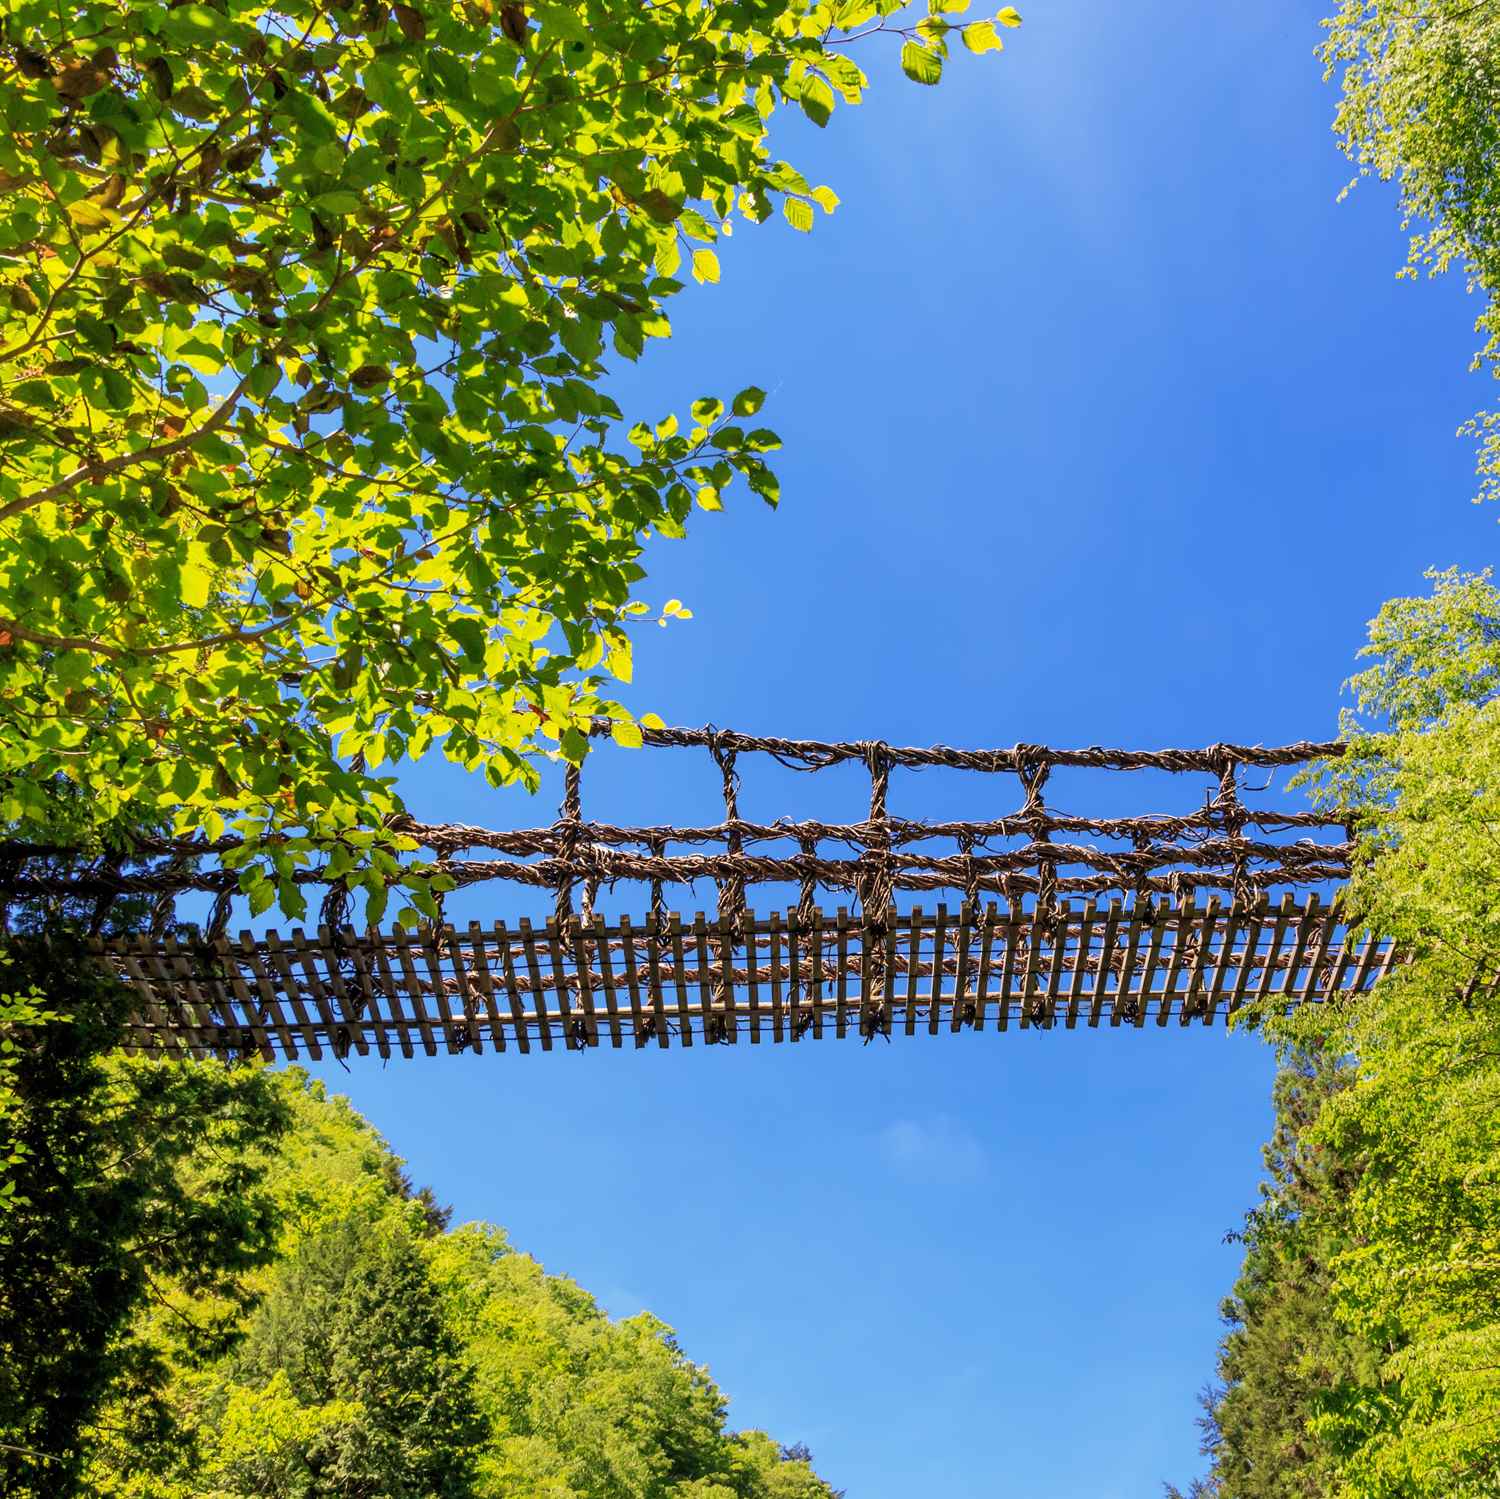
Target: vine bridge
1043, 918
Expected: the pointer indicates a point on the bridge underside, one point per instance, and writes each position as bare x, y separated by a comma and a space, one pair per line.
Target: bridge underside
577, 984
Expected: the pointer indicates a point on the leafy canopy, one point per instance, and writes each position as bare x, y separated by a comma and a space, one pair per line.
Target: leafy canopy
125, 1185
306, 312
387, 1355
1421, 106
1416, 1230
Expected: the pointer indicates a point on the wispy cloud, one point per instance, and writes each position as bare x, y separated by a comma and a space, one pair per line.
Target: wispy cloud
938, 1149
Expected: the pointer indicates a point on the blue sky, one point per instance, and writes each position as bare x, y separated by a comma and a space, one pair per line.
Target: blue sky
1105, 423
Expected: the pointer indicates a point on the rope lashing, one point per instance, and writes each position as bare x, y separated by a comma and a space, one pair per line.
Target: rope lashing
1223, 846
570, 828
877, 892
1033, 767
731, 891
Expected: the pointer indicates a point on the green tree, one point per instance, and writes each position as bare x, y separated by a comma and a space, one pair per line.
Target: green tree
136, 1186
371, 1308
1284, 1356
352, 1343
1400, 1395
305, 314
580, 1405
1420, 106
386, 1355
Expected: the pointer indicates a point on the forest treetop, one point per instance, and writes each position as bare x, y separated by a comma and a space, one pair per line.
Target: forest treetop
305, 309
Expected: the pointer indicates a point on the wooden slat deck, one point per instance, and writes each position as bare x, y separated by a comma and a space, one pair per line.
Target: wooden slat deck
1074, 970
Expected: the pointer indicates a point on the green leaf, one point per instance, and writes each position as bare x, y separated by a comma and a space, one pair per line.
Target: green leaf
626, 734
195, 580
470, 635
816, 100
920, 64
668, 256
798, 213
749, 401
705, 266
981, 37
619, 657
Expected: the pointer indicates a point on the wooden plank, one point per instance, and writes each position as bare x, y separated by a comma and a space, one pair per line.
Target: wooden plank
559, 975
752, 978
303, 955
180, 960
1161, 915
658, 997
982, 983
1081, 961
632, 980
180, 1013
841, 1025
1248, 950
1015, 930
813, 960
1366, 962
1181, 940
445, 940
1317, 965
726, 978
214, 975
538, 994
607, 980
138, 1038
1194, 988
1346, 958
888, 1002
345, 1037
172, 1000
679, 982
871, 985
584, 973
1387, 962
400, 943
385, 980
1105, 969
914, 930
1055, 973
519, 1027
269, 1003
256, 1022
1305, 924
939, 963
485, 981
706, 1011
371, 989
1206, 999
964, 935
1285, 914
1029, 972
220, 998
777, 1017
457, 1037
276, 956
802, 1001
165, 1039
1123, 997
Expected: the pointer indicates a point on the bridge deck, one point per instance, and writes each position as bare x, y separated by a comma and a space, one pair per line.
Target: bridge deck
676, 981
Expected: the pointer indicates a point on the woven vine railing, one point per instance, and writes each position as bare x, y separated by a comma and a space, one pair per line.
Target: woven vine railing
1060, 918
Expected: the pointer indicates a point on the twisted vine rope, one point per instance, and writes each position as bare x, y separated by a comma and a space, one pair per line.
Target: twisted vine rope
1224, 845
